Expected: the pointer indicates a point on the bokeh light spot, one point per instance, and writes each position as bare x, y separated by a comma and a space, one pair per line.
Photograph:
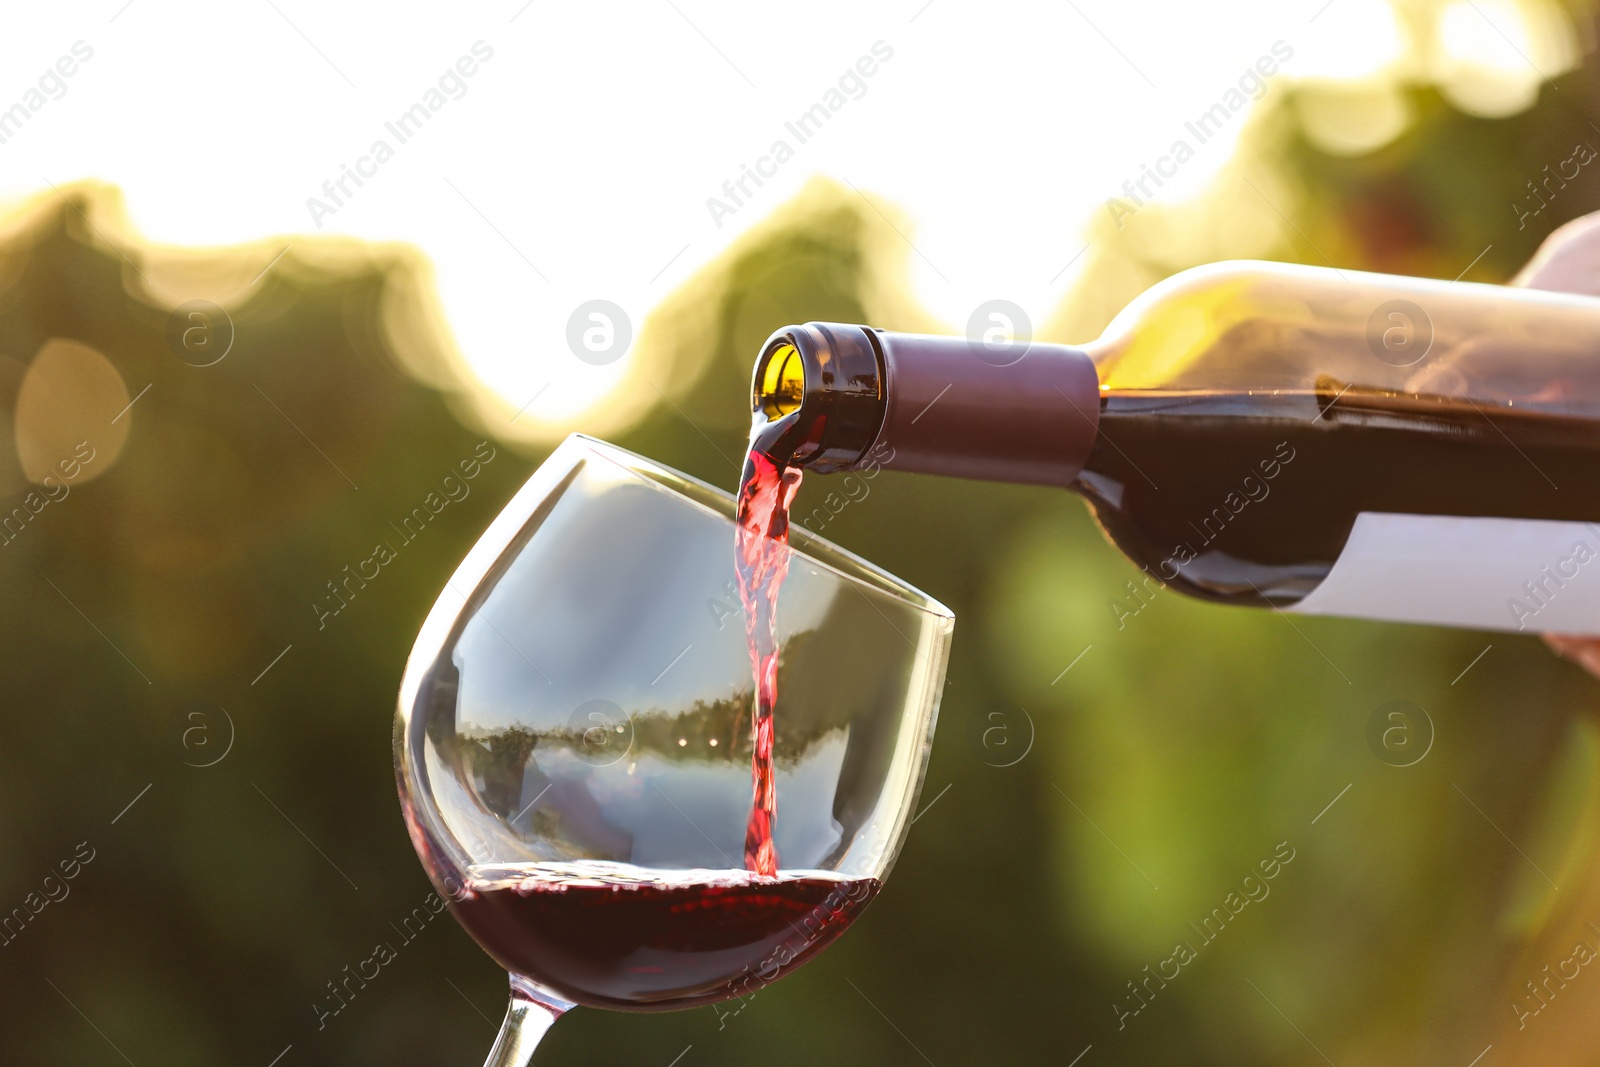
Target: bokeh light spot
72, 405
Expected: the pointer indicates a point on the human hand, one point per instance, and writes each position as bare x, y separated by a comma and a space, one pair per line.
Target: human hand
1569, 262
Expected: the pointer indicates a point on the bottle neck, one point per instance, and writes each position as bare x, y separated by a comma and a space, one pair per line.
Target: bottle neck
1007, 412
1025, 412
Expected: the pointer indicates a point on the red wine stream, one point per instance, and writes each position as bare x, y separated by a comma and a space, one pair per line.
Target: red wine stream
766, 489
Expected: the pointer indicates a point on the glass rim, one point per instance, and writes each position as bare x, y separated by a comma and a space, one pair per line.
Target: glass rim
667, 479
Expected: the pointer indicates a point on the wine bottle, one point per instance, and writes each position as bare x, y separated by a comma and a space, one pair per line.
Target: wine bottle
1317, 440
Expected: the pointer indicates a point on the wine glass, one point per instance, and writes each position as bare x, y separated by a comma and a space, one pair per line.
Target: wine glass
573, 744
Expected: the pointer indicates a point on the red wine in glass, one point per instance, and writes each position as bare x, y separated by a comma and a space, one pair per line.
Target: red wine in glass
614, 935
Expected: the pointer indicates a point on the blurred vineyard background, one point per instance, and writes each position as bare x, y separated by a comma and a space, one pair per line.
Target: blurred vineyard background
1079, 820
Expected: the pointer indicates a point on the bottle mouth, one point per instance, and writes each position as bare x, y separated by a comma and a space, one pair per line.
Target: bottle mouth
782, 377
817, 395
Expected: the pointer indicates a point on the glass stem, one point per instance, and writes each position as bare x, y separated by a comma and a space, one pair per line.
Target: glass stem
530, 1014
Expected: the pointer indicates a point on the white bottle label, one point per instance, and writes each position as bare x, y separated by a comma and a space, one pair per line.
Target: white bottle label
1532, 575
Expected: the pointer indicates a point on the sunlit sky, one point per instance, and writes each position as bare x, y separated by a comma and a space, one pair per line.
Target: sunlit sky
577, 160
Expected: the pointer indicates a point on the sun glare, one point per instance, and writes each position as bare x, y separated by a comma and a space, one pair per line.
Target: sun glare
561, 191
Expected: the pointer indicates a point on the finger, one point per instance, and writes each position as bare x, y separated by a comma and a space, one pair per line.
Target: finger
1568, 261
1584, 651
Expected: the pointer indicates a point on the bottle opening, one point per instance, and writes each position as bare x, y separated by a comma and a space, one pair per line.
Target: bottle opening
782, 381
817, 395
